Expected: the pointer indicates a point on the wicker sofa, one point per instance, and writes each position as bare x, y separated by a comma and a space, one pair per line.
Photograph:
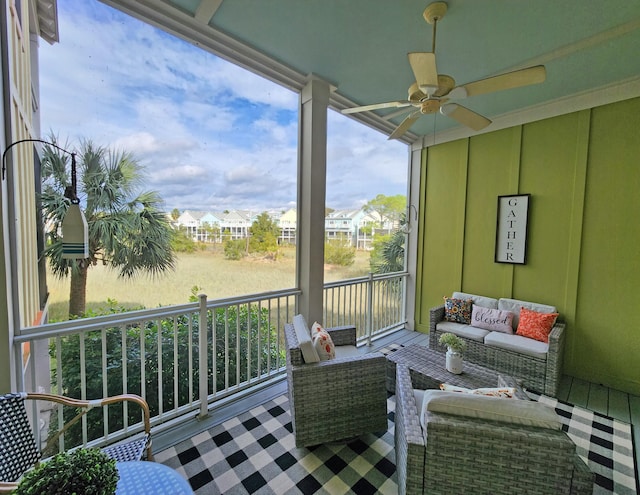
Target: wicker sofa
536, 364
335, 399
454, 453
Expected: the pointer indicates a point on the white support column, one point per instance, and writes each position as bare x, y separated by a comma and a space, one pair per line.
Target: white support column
411, 251
312, 177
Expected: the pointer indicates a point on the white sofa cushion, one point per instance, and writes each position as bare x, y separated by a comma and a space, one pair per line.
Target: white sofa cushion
485, 302
346, 351
305, 343
514, 306
516, 343
522, 412
462, 330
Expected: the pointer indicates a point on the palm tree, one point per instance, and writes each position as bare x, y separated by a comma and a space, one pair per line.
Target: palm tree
388, 253
127, 230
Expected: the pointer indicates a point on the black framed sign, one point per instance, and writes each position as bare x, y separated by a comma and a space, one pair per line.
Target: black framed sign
511, 229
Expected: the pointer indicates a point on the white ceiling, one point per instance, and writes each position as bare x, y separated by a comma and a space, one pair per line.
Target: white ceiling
591, 49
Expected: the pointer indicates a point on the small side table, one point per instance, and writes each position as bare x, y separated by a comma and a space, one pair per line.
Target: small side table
150, 478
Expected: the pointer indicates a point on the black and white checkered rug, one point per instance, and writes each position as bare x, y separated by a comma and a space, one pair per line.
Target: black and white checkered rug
255, 453
604, 443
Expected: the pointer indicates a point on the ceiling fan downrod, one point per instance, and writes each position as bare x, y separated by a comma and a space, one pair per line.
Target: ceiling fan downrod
432, 14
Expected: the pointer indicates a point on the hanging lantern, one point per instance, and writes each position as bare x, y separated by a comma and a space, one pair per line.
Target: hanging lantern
75, 233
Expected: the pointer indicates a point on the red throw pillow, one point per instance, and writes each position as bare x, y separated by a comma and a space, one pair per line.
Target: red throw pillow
536, 325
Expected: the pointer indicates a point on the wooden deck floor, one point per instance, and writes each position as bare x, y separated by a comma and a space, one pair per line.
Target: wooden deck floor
592, 396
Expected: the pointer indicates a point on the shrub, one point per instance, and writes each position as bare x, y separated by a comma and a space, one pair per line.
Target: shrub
236, 327
235, 249
182, 243
82, 471
339, 252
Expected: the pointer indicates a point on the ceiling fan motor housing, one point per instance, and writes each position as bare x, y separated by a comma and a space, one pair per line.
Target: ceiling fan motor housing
429, 106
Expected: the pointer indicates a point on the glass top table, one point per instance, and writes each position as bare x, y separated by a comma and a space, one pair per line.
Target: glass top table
150, 478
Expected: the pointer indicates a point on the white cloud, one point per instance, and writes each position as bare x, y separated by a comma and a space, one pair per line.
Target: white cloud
208, 133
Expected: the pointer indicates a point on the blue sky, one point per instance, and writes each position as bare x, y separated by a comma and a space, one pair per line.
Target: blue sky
210, 135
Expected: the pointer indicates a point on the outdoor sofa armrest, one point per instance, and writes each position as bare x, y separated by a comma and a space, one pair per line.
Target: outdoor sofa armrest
436, 315
555, 355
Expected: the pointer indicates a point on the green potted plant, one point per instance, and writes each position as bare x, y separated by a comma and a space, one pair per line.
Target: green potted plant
455, 348
77, 472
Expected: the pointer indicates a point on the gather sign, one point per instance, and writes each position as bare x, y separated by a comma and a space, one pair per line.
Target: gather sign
511, 229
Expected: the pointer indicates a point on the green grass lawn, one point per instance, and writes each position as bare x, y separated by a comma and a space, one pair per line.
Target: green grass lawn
216, 277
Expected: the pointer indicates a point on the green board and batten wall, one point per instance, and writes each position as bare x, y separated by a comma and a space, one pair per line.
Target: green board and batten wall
583, 247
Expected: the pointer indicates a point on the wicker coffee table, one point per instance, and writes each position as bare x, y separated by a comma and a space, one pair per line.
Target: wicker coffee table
427, 368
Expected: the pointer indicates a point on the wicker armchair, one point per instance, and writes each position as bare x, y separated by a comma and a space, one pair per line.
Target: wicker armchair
459, 454
336, 399
18, 449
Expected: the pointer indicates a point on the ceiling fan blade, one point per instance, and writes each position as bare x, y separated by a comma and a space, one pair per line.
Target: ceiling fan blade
376, 106
397, 113
405, 124
515, 79
465, 116
423, 65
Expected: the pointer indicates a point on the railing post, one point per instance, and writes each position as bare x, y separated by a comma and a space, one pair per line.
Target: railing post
369, 319
203, 377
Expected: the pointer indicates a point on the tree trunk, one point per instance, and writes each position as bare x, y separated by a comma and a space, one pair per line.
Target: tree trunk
78, 291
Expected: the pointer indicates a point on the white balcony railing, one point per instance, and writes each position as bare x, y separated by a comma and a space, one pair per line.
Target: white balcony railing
183, 359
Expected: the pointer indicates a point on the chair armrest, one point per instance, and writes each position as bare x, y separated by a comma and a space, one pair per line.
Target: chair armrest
410, 410
7, 486
334, 366
343, 335
409, 440
86, 405
436, 315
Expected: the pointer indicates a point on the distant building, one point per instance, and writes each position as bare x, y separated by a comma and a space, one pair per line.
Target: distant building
357, 227
287, 223
202, 226
235, 224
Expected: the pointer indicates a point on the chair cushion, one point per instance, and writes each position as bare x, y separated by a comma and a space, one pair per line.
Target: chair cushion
514, 306
485, 302
346, 351
305, 343
517, 343
492, 319
467, 331
322, 343
522, 412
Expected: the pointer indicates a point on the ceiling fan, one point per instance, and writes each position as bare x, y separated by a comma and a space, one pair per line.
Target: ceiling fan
433, 92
